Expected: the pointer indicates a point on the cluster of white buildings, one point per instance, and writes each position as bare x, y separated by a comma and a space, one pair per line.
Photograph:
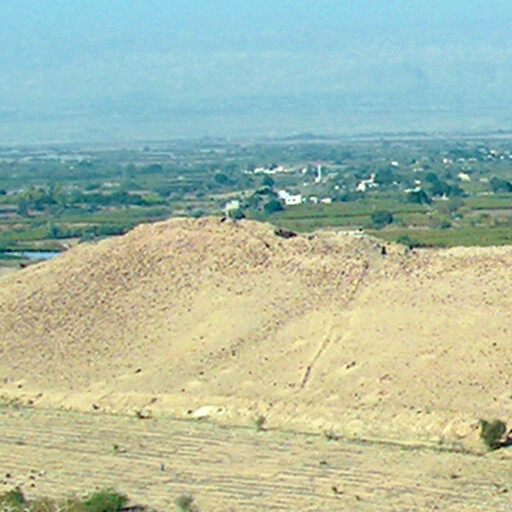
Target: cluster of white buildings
272, 170
288, 198
294, 199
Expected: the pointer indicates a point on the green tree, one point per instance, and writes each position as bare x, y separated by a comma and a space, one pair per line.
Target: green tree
381, 218
440, 188
418, 197
221, 179
22, 206
268, 181
499, 185
385, 176
236, 214
273, 206
54, 231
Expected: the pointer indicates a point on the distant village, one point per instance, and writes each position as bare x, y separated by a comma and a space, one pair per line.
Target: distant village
83, 192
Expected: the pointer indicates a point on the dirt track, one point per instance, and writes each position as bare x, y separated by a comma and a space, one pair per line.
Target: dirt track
239, 469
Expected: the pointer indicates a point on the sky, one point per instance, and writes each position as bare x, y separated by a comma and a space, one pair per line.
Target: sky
131, 69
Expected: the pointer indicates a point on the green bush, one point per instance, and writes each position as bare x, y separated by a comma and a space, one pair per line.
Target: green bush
236, 214
106, 500
273, 206
13, 500
492, 433
407, 240
185, 503
381, 218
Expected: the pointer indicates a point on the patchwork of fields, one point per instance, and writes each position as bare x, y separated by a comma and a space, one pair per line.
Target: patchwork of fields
440, 193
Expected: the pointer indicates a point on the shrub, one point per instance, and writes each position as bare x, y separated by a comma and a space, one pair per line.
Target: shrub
492, 433
407, 240
221, 179
259, 422
236, 214
106, 500
331, 436
381, 218
185, 503
13, 500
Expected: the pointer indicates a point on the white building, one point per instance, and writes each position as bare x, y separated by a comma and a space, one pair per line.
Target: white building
279, 169
289, 199
364, 184
234, 204
318, 178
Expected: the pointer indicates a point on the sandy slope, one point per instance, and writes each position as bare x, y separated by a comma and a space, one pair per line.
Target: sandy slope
314, 332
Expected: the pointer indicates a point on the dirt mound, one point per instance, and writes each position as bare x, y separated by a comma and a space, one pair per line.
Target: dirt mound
210, 318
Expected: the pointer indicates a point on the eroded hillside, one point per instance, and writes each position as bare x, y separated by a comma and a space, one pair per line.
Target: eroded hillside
319, 332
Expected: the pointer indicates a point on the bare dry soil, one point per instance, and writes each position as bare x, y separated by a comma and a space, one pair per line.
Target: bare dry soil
203, 319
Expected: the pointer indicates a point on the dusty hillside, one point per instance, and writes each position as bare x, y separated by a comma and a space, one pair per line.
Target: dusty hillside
313, 332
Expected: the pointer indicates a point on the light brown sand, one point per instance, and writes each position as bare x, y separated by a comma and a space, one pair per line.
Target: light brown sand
198, 317
229, 469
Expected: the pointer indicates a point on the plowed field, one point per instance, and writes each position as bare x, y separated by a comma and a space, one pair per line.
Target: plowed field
224, 468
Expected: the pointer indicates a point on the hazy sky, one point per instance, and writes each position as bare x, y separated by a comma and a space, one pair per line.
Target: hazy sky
131, 60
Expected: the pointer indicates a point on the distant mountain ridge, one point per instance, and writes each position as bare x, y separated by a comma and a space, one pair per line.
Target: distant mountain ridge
141, 116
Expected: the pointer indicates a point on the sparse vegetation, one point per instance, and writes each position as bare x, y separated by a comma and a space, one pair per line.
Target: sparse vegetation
106, 500
185, 503
259, 422
141, 415
492, 432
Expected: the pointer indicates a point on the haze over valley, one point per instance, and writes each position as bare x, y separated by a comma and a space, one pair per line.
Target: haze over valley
89, 72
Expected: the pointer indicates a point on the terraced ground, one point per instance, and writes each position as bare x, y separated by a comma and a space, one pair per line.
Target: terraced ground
239, 469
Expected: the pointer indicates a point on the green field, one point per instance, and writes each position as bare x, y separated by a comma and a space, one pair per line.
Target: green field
421, 226
435, 192
462, 236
